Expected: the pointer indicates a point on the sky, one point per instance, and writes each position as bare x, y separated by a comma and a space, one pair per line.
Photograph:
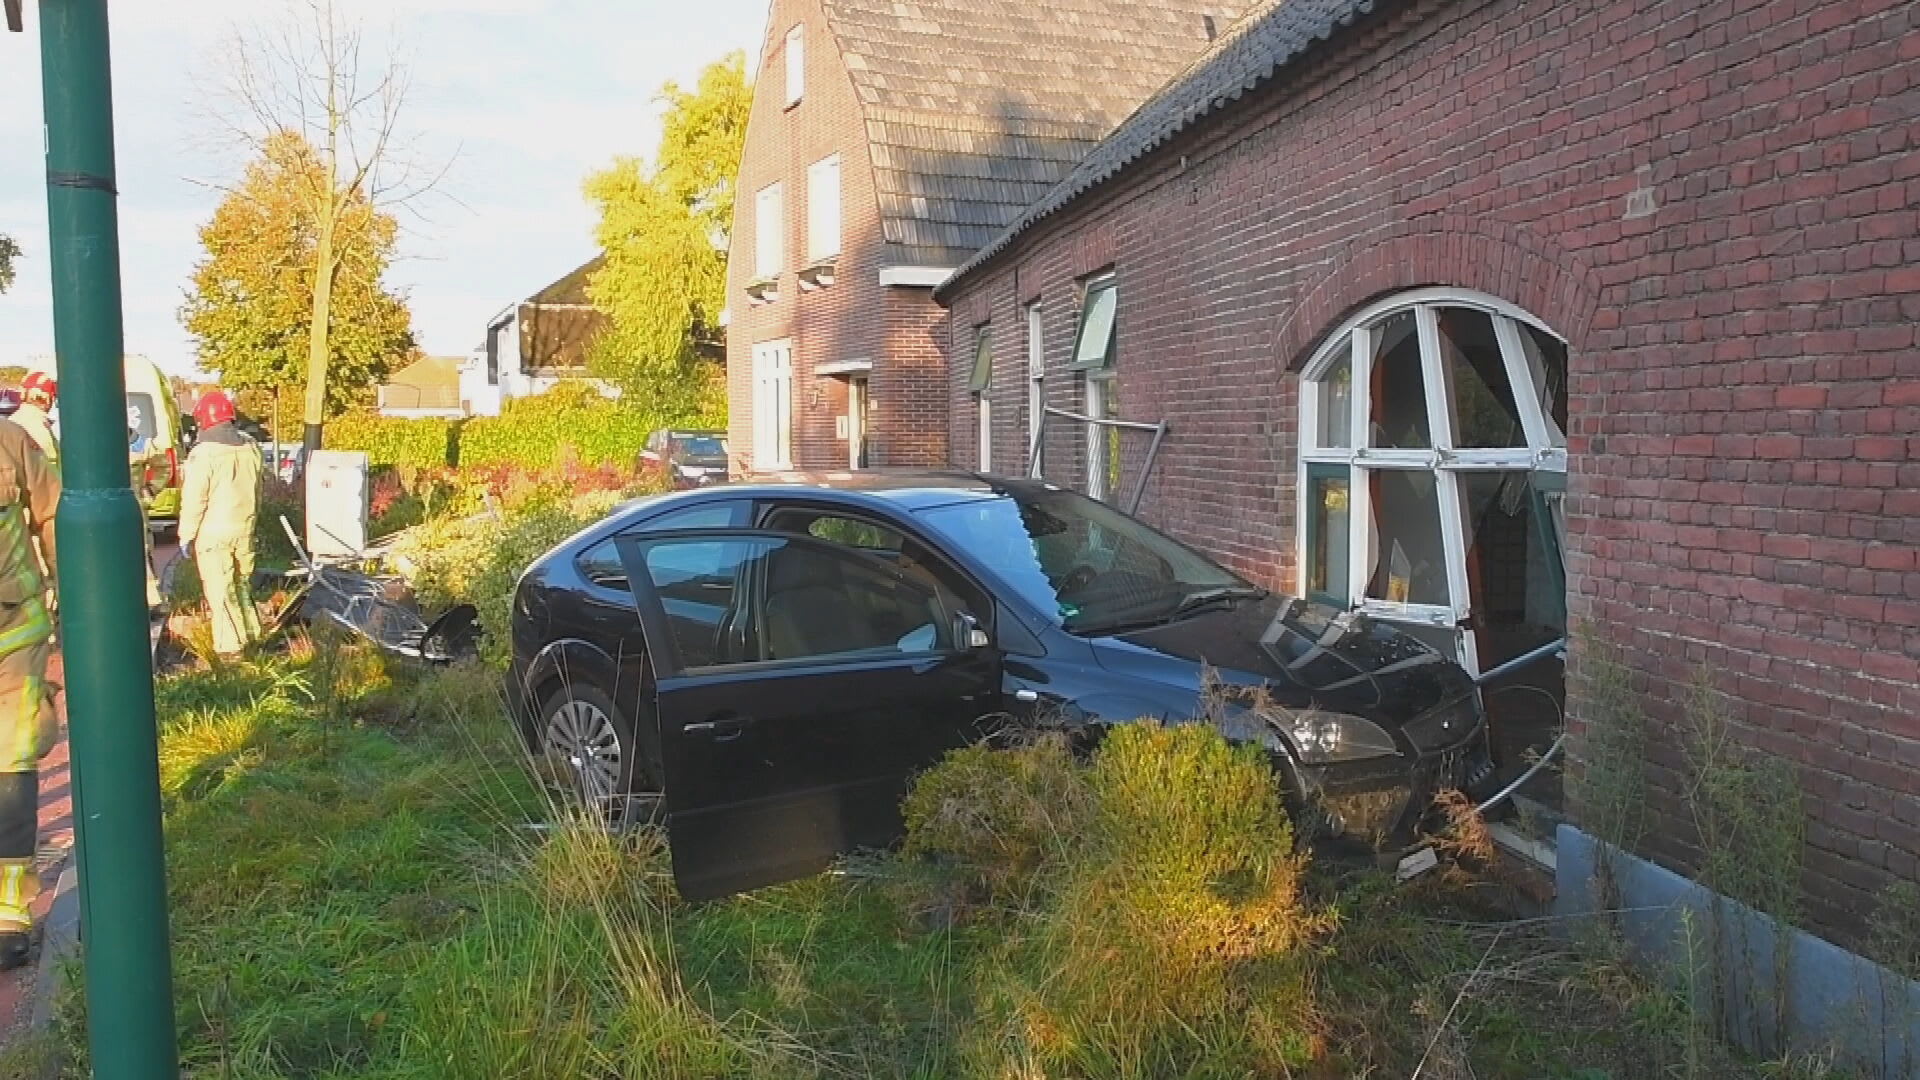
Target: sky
523, 97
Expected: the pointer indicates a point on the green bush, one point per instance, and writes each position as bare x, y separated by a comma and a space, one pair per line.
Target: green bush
1161, 932
418, 443
573, 420
479, 559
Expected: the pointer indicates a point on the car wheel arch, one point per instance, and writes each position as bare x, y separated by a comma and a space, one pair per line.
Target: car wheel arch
557, 661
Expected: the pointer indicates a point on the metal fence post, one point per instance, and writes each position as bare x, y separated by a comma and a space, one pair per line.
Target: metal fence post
104, 635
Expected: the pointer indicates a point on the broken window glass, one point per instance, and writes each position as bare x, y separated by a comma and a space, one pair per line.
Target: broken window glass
1410, 562
1336, 405
1515, 580
1547, 364
1399, 390
1484, 413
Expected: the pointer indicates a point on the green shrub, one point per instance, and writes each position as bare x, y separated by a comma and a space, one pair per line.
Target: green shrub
479, 559
419, 443
571, 420
1161, 931
271, 548
997, 815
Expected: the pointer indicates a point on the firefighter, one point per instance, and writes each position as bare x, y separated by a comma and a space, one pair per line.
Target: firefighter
218, 505
140, 458
35, 414
29, 492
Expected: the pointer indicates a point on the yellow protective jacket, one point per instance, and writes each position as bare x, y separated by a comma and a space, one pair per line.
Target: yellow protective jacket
220, 497
35, 421
29, 495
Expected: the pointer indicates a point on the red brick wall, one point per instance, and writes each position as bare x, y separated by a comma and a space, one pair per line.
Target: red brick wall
1745, 435
853, 319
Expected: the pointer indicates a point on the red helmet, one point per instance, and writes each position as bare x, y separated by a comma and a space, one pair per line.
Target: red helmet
213, 408
39, 382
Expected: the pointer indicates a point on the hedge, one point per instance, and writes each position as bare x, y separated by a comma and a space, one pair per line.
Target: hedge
533, 431
423, 443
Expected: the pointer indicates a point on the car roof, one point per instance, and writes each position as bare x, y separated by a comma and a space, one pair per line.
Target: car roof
901, 488
908, 488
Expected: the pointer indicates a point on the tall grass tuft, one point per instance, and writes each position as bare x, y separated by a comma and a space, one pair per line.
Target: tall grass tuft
1161, 931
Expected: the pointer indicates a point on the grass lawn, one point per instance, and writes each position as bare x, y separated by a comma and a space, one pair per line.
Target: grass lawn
368, 882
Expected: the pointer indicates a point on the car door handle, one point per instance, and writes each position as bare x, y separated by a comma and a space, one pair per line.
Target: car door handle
722, 728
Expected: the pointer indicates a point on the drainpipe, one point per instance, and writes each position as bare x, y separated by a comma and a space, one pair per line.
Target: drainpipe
104, 634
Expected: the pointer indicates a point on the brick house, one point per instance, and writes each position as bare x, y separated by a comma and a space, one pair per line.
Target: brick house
1497, 318
887, 142
534, 343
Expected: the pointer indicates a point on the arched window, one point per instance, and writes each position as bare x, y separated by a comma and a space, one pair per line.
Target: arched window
1432, 461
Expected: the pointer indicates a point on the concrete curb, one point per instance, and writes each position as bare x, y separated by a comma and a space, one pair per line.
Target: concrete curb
60, 938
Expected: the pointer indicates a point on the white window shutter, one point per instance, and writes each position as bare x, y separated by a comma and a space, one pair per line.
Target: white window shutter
823, 209
796, 64
769, 225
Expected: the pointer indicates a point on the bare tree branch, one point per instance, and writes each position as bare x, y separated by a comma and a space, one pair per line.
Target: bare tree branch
308, 76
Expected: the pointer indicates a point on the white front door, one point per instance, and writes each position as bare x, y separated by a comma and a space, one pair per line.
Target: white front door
857, 423
773, 405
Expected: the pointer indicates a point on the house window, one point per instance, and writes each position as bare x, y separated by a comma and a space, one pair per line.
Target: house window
1093, 344
769, 232
796, 65
1103, 440
1036, 381
773, 405
1433, 457
1093, 353
980, 382
493, 356
823, 209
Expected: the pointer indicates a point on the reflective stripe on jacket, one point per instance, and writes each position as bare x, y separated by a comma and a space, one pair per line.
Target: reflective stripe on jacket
29, 495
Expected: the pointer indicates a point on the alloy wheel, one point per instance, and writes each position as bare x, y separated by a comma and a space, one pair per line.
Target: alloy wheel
581, 737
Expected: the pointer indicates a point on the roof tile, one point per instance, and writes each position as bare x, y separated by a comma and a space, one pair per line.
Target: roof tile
977, 107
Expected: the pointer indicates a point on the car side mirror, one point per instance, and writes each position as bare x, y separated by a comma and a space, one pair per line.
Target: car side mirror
967, 634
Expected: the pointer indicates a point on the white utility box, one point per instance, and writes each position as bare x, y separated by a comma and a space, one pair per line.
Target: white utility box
337, 503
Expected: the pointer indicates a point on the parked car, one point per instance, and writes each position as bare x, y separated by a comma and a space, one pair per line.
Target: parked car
779, 660
9, 401
694, 458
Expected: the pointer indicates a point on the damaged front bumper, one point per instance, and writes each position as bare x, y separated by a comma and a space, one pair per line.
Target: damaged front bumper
1380, 804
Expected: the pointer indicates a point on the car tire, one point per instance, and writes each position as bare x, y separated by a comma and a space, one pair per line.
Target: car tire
591, 742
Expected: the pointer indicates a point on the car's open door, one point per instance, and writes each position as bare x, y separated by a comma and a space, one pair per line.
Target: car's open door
799, 685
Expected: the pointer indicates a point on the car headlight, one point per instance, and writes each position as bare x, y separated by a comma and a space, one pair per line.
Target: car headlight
1329, 738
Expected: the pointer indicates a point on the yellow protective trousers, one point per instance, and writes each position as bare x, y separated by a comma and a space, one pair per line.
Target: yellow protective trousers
226, 575
28, 729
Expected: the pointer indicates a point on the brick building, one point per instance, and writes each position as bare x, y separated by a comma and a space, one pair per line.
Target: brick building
888, 141
1502, 316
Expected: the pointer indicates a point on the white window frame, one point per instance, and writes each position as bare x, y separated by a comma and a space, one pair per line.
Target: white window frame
1036, 377
773, 405
796, 64
1099, 388
823, 209
1353, 341
983, 395
769, 231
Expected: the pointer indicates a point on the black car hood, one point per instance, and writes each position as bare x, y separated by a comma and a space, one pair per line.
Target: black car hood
1306, 656
709, 462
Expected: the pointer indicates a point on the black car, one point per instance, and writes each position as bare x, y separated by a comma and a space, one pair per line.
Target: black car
779, 660
692, 458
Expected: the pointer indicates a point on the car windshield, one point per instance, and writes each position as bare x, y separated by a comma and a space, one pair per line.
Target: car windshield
700, 446
1091, 567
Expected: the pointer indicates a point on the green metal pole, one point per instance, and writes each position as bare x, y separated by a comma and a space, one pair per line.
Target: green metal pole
109, 662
